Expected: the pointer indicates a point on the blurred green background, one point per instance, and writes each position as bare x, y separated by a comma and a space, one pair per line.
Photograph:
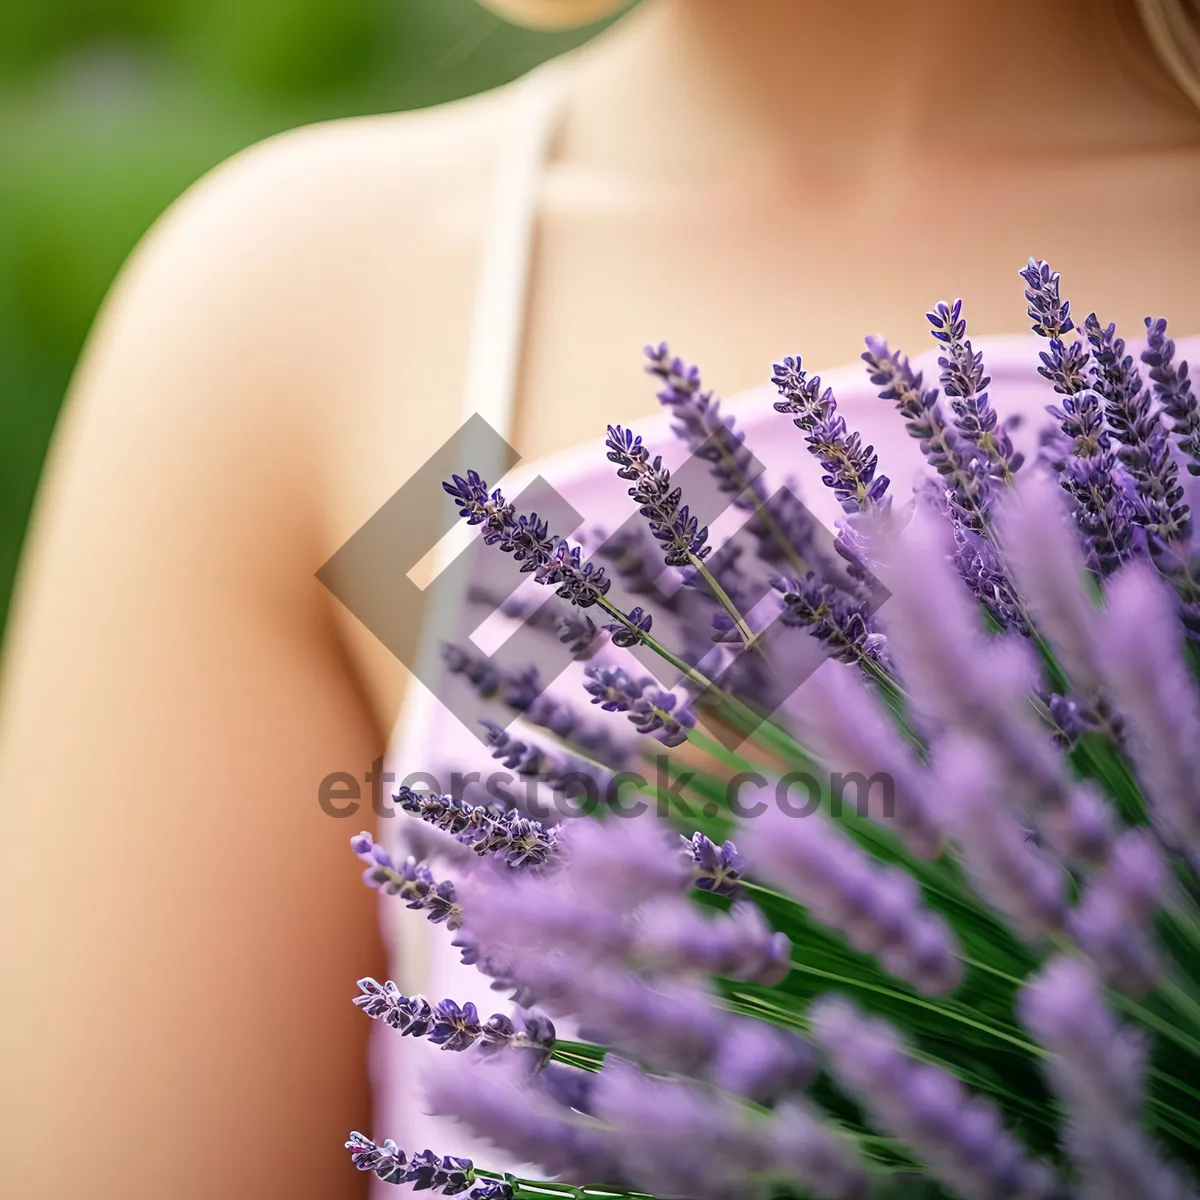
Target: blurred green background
110, 108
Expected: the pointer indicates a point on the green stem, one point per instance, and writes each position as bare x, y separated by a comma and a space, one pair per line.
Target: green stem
747, 634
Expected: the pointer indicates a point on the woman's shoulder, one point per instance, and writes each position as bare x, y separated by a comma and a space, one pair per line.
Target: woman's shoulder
298, 268
404, 177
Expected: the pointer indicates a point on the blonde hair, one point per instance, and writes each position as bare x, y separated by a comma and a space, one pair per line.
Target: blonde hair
553, 14
1173, 27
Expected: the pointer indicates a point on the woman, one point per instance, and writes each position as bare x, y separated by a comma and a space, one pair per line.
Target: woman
286, 348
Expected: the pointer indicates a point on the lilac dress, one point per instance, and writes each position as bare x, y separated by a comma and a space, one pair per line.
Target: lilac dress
429, 738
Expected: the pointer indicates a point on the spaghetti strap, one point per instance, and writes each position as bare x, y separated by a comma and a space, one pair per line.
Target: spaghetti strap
493, 361
492, 371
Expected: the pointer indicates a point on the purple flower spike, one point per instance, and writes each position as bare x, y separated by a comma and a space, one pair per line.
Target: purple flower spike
941, 444
387, 1160
678, 937
1007, 870
717, 868
478, 506
1152, 689
627, 634
683, 539
964, 382
409, 1016
960, 1137
551, 559
1049, 568
684, 1140
841, 623
782, 527
1144, 451
508, 836
763, 1063
412, 882
849, 465
578, 632
447, 1175
661, 715
522, 691
1096, 1066
959, 679
1064, 364
621, 864
698, 422
613, 688
1103, 509
652, 711
1173, 390
503, 1104
1114, 923
879, 910
852, 732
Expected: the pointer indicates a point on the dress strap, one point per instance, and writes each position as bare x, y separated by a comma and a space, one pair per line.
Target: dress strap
498, 323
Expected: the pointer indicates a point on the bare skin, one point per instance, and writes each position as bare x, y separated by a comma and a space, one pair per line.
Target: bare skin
180, 919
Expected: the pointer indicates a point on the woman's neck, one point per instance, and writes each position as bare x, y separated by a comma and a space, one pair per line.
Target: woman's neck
850, 86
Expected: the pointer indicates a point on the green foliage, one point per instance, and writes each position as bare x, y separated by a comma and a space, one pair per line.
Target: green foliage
109, 110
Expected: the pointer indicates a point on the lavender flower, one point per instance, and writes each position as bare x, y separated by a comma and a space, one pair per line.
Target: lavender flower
619, 865
965, 383
698, 422
579, 634
850, 730
782, 533
677, 937
1143, 441
582, 583
878, 909
1097, 1069
683, 539
1150, 687
1104, 510
762, 1063
523, 692
412, 882
551, 559
1114, 923
1048, 565
1173, 390
449, 1025
684, 1140
801, 1146
629, 551
630, 632
1118, 1161
941, 444
679, 1138
981, 569
960, 1137
1087, 473
503, 1104
1068, 719
849, 465
717, 868
843, 625
564, 773
960, 680
447, 1175
652, 711
512, 838
1095, 1066
1008, 871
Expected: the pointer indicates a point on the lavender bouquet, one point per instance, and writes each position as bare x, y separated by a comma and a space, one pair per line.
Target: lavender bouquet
980, 981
